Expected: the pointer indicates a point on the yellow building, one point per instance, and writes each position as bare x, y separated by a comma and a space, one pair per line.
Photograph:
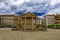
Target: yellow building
26, 21
49, 20
7, 19
57, 19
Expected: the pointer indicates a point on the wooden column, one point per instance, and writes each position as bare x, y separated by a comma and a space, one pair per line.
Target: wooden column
21, 21
25, 24
25, 21
35, 21
32, 23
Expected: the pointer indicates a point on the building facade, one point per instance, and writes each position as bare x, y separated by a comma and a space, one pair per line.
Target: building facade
57, 19
26, 21
39, 21
7, 19
49, 20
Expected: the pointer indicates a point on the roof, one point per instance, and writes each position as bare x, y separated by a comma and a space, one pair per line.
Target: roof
49, 15
28, 14
7, 15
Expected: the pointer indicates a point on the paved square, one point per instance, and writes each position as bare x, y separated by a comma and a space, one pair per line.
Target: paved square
51, 34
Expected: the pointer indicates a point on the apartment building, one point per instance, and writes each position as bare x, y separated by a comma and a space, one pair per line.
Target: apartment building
7, 19
57, 19
49, 19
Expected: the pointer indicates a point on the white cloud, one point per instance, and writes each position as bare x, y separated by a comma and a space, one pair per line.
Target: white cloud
2, 5
53, 2
18, 2
12, 13
54, 11
27, 0
37, 6
37, 1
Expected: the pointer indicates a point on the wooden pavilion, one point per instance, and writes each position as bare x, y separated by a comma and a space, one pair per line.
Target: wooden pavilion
26, 21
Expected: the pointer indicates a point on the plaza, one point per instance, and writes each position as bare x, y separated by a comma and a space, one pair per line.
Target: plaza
50, 34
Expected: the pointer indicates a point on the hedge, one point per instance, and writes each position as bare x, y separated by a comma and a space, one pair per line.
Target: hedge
7, 26
56, 26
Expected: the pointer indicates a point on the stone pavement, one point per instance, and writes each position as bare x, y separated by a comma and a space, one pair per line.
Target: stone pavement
51, 34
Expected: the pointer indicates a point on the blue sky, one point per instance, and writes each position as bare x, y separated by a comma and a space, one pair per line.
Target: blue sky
38, 7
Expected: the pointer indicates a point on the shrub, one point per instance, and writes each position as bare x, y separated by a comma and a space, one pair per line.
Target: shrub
42, 27
56, 26
7, 26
